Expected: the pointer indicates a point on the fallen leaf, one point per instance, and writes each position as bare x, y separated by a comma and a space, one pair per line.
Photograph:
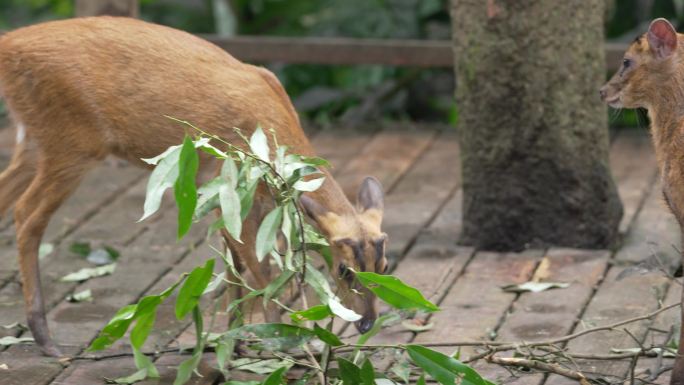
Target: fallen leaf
13, 325
534, 287
100, 257
9, 340
417, 325
85, 295
543, 271
45, 249
88, 272
4, 367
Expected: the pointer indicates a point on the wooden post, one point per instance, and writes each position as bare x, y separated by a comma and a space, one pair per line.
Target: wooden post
107, 7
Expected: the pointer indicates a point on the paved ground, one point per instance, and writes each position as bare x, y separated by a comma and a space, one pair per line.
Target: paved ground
420, 171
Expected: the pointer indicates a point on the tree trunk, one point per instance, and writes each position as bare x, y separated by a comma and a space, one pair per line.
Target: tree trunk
107, 7
533, 132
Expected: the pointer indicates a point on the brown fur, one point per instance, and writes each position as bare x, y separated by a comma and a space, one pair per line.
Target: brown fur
654, 79
82, 89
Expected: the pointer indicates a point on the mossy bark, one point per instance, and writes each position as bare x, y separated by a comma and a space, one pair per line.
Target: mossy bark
533, 132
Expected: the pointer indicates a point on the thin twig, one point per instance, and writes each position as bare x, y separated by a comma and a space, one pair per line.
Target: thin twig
538, 365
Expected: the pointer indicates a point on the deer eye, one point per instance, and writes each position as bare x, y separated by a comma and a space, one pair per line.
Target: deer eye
344, 272
626, 63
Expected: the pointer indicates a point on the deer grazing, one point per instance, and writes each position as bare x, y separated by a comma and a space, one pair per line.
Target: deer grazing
652, 77
80, 90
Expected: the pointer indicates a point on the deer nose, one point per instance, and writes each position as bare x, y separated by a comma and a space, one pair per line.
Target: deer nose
364, 325
603, 92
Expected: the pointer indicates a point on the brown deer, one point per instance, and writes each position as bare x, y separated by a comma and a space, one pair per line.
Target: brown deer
652, 77
79, 90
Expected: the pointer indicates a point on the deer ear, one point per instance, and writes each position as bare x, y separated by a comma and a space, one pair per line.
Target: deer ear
370, 195
314, 210
662, 38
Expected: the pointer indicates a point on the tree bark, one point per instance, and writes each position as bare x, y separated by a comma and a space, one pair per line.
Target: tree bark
107, 7
533, 132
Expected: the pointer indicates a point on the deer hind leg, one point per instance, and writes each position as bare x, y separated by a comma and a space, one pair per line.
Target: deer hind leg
56, 178
18, 175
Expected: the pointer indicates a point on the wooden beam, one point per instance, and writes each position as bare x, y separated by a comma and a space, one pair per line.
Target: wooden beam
107, 7
318, 50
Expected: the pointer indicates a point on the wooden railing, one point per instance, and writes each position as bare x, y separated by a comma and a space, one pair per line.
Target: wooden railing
324, 50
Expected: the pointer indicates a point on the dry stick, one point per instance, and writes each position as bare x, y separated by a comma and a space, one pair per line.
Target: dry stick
539, 365
659, 360
494, 346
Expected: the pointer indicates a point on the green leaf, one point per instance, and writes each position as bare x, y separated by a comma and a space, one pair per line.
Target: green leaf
272, 336
259, 144
145, 315
314, 313
234, 382
367, 373
192, 289
215, 283
162, 177
246, 194
327, 336
276, 286
309, 185
266, 235
229, 173
314, 161
443, 368
145, 363
185, 190
402, 369
132, 379
395, 292
349, 373
421, 380
208, 198
276, 378
319, 283
258, 365
324, 251
230, 211
155, 161
80, 248
115, 329
339, 310
224, 351
186, 368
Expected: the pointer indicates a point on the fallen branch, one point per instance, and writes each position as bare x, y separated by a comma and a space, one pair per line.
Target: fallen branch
538, 365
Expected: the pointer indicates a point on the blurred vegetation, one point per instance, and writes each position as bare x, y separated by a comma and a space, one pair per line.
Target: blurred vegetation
348, 93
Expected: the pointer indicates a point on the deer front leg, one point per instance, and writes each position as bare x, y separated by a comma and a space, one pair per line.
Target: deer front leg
244, 254
675, 206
